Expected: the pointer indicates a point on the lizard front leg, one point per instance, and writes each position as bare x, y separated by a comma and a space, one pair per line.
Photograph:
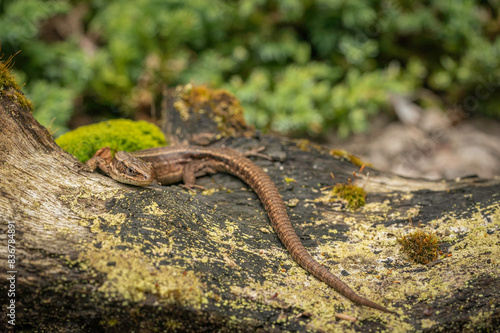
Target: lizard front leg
101, 159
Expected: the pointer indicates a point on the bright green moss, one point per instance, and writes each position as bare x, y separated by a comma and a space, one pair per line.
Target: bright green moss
118, 134
354, 195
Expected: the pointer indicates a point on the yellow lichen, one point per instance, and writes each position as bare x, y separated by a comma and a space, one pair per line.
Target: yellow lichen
130, 275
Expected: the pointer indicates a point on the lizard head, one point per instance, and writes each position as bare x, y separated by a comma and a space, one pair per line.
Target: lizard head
128, 169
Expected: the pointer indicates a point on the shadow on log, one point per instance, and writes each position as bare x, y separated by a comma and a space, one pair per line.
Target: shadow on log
95, 255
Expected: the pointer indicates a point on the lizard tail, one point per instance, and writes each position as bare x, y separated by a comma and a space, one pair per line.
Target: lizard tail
270, 197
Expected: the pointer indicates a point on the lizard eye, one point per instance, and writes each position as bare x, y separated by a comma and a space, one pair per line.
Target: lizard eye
130, 171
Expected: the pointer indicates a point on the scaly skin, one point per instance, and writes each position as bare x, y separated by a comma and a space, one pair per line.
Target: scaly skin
169, 165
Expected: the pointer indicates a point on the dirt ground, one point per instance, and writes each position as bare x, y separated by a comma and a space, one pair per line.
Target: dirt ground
430, 147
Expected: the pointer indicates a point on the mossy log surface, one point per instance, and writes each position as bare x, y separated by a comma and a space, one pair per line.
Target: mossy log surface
94, 255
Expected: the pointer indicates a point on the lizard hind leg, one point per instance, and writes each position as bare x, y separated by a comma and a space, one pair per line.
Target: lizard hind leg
194, 170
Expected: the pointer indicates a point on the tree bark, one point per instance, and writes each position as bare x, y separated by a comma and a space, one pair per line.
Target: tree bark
95, 255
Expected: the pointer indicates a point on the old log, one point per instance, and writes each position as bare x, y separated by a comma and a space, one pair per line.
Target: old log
89, 254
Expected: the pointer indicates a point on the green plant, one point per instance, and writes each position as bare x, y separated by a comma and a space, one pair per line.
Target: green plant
298, 66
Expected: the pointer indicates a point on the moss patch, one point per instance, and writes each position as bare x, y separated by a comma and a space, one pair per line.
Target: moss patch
354, 195
9, 86
226, 110
419, 245
350, 157
118, 134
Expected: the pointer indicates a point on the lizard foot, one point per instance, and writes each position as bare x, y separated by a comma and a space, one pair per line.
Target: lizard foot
256, 152
192, 187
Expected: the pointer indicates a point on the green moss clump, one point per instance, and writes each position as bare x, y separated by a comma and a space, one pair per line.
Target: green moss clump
420, 246
118, 134
354, 195
7, 81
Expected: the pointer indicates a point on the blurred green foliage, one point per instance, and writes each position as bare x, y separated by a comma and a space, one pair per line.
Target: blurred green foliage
298, 66
117, 134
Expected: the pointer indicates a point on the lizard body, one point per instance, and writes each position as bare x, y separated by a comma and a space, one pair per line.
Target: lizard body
169, 165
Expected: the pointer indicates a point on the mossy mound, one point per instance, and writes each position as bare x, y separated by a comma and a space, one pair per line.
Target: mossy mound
118, 134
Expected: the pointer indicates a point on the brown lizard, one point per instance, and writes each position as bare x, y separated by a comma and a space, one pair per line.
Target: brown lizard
168, 165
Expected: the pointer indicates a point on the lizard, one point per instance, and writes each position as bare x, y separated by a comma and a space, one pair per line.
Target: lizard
169, 165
